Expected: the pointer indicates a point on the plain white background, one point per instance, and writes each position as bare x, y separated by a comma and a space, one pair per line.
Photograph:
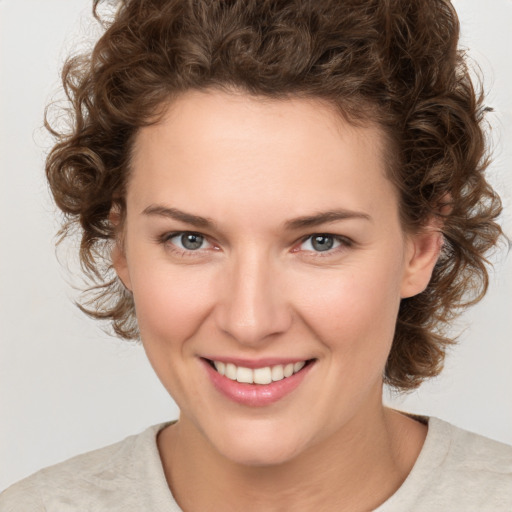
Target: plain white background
65, 386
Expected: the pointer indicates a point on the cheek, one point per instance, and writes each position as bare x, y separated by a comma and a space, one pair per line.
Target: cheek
170, 302
354, 310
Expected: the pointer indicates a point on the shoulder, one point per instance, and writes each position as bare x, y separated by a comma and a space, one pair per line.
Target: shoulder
472, 454
95, 480
476, 472
457, 470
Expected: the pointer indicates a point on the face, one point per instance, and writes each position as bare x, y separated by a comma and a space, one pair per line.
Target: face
263, 238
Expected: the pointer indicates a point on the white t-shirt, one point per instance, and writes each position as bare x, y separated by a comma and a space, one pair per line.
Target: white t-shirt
456, 471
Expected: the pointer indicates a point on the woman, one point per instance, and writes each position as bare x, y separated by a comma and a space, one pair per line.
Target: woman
293, 200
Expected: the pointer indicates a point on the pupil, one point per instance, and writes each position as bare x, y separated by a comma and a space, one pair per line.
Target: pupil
322, 242
191, 241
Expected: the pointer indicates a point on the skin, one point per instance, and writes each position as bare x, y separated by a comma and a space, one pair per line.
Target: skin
257, 289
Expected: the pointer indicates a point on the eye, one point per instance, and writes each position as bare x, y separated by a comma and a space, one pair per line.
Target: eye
186, 240
324, 242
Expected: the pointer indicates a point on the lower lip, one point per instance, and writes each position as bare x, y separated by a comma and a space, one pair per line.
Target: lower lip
256, 395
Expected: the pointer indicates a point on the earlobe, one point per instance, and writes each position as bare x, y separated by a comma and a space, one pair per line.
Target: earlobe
422, 254
121, 265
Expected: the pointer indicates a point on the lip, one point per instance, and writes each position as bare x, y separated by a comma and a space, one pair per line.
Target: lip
256, 395
255, 363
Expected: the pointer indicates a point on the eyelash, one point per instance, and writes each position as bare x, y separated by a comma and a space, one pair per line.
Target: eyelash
342, 240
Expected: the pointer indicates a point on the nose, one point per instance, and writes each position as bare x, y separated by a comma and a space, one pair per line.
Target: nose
253, 306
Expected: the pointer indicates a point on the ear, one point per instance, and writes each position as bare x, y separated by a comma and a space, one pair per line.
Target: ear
117, 254
120, 265
422, 253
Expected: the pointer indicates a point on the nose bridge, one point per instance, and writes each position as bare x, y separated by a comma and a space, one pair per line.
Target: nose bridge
253, 306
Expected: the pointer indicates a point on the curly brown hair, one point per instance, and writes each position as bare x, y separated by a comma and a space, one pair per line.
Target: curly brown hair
395, 63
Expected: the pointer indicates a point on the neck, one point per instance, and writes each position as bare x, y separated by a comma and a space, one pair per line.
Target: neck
361, 466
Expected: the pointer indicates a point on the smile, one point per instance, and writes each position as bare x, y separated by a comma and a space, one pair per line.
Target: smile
258, 386
264, 375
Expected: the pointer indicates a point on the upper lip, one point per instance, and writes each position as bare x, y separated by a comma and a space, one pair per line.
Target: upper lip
257, 363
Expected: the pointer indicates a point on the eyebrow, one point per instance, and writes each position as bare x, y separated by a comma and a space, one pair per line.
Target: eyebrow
309, 221
306, 221
174, 213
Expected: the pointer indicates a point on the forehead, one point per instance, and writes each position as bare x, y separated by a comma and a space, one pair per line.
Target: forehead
231, 149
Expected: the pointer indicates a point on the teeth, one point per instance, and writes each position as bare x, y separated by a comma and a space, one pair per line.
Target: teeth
264, 375
288, 370
277, 372
230, 372
298, 366
220, 367
244, 375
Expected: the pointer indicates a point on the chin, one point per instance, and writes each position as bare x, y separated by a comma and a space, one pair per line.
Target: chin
259, 444
257, 455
